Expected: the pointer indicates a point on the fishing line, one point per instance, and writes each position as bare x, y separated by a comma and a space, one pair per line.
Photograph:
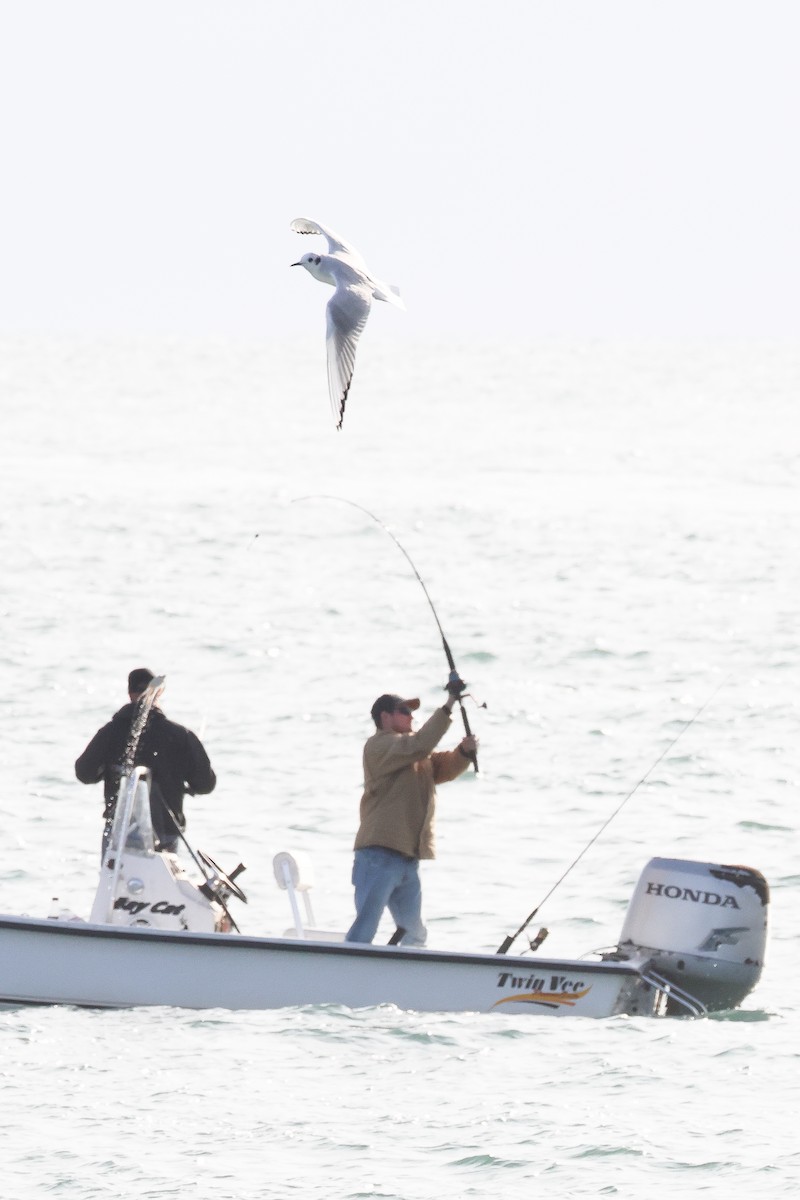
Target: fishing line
223, 626
454, 674
509, 941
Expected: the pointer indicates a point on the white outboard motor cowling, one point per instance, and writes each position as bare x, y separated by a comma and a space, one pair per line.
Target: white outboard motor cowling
703, 927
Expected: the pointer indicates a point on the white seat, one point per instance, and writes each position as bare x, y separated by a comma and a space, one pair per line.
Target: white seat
293, 874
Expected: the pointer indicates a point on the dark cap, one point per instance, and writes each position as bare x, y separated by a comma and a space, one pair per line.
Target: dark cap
139, 679
390, 704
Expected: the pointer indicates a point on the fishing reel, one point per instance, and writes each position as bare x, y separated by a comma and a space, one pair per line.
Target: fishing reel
535, 942
457, 687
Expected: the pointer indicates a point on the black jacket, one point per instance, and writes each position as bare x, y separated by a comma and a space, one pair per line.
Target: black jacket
175, 756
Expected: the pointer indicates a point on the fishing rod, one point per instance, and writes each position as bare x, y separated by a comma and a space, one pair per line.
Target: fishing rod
509, 941
455, 684
144, 704
223, 881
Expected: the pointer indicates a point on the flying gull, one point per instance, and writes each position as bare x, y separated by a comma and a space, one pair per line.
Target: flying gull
345, 270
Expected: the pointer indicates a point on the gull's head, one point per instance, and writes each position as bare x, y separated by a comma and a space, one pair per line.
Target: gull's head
309, 261
315, 265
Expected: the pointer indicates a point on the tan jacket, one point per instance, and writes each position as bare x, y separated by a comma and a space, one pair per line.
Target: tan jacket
400, 774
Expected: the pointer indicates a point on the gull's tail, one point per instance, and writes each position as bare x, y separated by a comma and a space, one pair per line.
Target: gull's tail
387, 292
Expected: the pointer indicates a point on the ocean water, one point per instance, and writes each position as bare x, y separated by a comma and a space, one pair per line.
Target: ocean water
609, 534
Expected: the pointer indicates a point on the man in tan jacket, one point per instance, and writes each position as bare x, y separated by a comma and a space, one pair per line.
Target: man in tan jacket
401, 770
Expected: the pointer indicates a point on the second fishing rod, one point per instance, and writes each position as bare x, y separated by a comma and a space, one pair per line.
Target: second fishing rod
455, 684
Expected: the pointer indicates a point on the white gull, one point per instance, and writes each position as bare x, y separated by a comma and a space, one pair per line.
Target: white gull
345, 270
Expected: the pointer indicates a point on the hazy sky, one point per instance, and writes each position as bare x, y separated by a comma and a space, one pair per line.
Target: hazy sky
568, 167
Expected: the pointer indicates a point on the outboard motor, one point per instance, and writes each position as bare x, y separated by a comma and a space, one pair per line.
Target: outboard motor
702, 925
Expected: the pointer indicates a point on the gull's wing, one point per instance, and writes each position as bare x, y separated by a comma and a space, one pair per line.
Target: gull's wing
347, 314
336, 245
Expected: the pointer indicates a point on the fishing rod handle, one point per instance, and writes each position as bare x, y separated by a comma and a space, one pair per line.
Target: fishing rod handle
472, 755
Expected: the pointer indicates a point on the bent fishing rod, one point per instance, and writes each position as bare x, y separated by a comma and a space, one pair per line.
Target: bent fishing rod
537, 941
455, 682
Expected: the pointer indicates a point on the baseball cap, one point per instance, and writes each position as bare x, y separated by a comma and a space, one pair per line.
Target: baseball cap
389, 703
139, 679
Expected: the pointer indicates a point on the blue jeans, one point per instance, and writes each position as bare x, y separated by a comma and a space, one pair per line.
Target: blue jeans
385, 879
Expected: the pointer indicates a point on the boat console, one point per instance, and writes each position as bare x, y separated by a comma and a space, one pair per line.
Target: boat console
142, 886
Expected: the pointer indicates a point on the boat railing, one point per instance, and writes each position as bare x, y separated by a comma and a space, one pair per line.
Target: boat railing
133, 826
693, 1006
132, 829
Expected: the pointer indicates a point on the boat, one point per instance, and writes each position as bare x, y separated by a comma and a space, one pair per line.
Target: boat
692, 942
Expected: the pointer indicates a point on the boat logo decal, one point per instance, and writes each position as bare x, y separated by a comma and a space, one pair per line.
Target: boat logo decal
671, 891
137, 906
559, 991
723, 937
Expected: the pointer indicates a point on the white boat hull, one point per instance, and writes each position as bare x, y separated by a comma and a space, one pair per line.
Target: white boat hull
71, 962
693, 940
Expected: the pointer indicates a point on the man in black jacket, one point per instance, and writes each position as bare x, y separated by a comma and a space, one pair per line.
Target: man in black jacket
175, 756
